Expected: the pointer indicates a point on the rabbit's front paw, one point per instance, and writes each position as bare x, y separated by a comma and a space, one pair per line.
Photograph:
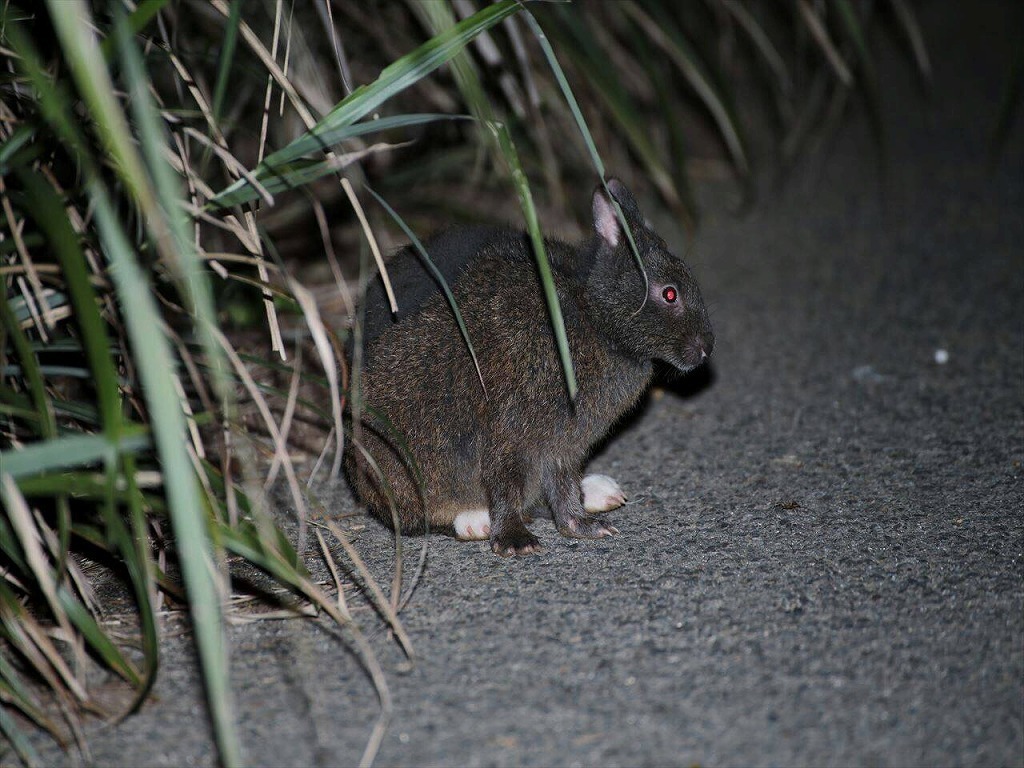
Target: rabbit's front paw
601, 493
580, 526
517, 541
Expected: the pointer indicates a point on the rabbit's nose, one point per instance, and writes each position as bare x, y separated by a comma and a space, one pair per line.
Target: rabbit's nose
707, 344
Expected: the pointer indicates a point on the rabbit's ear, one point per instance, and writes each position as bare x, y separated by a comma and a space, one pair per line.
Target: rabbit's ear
625, 198
606, 221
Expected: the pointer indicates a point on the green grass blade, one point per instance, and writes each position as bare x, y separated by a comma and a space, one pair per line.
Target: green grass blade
83, 485
440, 18
138, 20
33, 377
13, 691
48, 210
588, 139
246, 540
167, 207
82, 412
65, 371
51, 97
197, 290
395, 78
282, 174
293, 175
22, 746
438, 278
682, 54
14, 411
72, 451
674, 119
96, 637
226, 58
73, 23
540, 254
593, 62
198, 560
54, 300
10, 547
20, 138
142, 572
406, 71
908, 23
41, 572
54, 102
762, 42
567, 94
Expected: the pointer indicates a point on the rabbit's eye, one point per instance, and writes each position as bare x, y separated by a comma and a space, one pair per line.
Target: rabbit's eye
670, 294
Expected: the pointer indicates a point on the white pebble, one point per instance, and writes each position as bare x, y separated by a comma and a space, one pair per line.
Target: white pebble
941, 356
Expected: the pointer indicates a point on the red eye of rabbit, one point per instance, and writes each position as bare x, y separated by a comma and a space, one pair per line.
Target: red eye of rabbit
670, 294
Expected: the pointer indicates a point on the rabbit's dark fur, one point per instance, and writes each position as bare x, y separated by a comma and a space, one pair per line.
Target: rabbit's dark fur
519, 446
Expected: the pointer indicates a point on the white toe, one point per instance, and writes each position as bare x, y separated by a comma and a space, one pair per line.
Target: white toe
472, 525
601, 493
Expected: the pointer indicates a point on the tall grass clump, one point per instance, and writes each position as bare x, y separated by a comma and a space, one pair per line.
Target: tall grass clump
190, 192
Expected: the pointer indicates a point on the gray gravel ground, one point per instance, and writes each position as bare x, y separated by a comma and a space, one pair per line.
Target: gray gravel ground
821, 563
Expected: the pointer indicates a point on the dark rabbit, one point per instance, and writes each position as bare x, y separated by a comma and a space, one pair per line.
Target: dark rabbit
489, 461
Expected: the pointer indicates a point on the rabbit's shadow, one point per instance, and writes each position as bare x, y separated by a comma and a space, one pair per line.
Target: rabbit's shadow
687, 385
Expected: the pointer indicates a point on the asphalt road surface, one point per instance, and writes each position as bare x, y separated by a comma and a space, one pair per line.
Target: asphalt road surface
821, 561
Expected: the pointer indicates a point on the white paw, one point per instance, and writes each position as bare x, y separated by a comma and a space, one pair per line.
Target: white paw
473, 525
601, 493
